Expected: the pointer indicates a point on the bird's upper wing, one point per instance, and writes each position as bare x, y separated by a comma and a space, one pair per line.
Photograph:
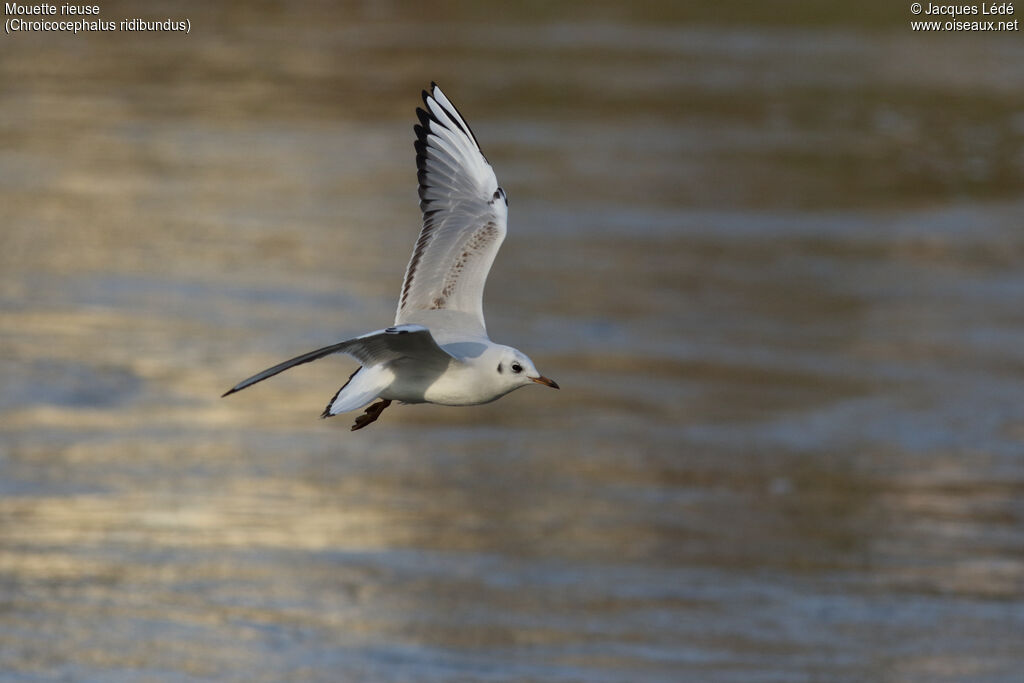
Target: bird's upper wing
382, 346
464, 217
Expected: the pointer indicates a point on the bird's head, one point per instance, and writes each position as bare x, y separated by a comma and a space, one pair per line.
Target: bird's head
515, 369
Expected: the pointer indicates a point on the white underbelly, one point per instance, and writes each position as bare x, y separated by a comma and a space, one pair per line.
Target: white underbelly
459, 389
460, 384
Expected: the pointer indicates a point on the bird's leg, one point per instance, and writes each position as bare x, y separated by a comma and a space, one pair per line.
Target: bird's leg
371, 414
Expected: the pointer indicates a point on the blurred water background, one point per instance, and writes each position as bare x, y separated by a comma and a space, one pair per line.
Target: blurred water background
772, 254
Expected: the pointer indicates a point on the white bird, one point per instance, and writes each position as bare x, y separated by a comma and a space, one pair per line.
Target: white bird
438, 350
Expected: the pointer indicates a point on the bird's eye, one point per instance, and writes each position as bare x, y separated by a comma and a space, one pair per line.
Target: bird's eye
516, 367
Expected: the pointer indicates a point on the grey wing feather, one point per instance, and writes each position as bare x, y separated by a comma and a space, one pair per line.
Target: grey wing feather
464, 223
401, 341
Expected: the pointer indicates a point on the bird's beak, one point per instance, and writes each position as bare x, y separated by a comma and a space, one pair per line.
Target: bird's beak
545, 381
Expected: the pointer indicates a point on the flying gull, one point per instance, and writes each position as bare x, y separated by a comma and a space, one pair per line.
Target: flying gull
438, 350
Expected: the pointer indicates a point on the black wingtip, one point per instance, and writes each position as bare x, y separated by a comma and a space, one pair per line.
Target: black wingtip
228, 392
327, 411
450, 120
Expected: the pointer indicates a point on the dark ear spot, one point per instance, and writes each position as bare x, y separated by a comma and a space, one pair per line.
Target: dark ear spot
500, 368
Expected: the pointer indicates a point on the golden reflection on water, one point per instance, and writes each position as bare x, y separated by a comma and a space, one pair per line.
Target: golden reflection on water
774, 269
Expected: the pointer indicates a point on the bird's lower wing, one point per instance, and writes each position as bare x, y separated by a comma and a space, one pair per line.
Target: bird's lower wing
401, 341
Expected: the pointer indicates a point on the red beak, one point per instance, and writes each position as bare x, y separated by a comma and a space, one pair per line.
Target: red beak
545, 381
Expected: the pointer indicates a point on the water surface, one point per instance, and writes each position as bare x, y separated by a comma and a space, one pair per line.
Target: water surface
774, 263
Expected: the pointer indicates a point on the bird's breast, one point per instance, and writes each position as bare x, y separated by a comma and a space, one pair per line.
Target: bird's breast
463, 385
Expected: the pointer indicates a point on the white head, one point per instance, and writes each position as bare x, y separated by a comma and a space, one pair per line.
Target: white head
513, 370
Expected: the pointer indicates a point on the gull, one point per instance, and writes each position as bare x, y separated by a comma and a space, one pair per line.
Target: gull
438, 350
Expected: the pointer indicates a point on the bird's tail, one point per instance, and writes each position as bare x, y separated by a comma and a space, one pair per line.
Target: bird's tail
363, 386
